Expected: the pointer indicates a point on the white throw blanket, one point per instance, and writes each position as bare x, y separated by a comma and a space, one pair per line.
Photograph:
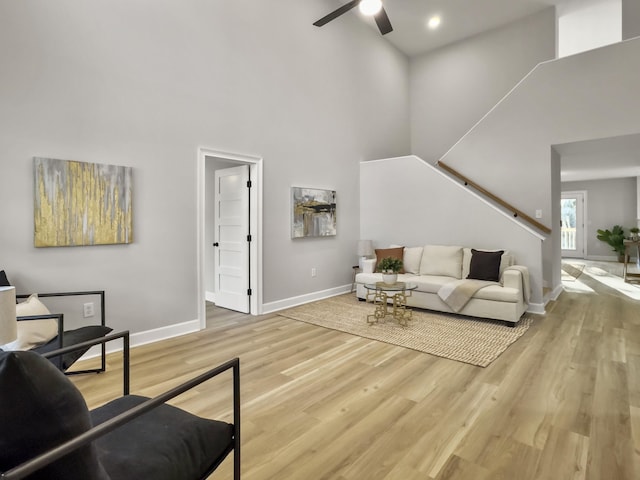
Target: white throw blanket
457, 293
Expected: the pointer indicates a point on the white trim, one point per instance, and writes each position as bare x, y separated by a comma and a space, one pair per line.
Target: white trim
306, 298
210, 296
164, 333
536, 308
602, 258
555, 293
256, 176
148, 336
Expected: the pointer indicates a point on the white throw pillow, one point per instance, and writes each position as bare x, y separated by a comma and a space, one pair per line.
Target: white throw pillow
441, 260
411, 259
32, 333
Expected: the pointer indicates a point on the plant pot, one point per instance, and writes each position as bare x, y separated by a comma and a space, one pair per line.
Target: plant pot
389, 278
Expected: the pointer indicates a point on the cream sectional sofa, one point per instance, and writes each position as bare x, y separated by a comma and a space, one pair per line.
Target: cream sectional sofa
433, 267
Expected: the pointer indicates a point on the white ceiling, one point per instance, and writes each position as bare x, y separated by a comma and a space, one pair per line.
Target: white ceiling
615, 157
594, 159
460, 19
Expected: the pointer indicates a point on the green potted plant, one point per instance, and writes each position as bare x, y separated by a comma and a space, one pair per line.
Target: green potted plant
390, 266
615, 239
634, 233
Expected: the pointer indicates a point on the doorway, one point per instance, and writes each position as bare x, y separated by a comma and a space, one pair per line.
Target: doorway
210, 162
572, 208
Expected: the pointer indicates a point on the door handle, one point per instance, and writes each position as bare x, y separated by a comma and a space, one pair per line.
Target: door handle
216, 244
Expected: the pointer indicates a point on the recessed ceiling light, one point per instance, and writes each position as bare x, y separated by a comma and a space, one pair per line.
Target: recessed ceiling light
370, 7
434, 22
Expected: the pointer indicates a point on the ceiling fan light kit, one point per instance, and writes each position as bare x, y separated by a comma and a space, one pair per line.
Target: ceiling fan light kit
368, 7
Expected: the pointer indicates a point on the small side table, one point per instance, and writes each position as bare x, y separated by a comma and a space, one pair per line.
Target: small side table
356, 270
379, 294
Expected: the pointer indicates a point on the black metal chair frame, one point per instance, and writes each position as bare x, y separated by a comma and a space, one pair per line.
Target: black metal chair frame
60, 319
87, 437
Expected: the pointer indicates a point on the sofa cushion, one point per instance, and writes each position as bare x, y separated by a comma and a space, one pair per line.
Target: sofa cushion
499, 293
431, 283
506, 260
73, 337
165, 443
485, 265
396, 252
411, 259
441, 260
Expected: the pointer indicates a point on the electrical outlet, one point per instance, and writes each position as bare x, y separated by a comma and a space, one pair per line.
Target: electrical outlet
538, 213
313, 272
88, 310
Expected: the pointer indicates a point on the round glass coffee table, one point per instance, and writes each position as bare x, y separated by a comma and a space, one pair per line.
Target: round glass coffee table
378, 293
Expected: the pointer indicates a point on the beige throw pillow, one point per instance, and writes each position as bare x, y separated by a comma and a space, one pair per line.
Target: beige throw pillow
441, 260
411, 259
32, 333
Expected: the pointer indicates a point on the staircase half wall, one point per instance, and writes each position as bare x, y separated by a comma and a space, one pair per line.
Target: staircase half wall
406, 201
509, 152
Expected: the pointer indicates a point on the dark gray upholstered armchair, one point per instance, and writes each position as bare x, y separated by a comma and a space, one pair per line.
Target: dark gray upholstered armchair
48, 433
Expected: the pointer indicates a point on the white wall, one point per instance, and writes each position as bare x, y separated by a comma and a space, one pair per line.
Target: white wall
630, 19
581, 97
587, 24
145, 84
552, 251
609, 202
406, 201
453, 87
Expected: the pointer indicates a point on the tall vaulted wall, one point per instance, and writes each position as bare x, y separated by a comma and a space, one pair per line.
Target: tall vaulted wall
145, 84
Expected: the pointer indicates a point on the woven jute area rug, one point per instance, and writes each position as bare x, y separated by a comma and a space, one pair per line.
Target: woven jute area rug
478, 342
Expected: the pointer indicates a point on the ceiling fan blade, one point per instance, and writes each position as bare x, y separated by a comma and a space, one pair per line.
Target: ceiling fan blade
383, 22
336, 13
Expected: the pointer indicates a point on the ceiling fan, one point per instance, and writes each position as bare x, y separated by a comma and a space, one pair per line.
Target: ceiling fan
368, 7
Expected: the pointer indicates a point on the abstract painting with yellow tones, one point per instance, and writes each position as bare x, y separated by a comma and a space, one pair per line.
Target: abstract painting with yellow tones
80, 203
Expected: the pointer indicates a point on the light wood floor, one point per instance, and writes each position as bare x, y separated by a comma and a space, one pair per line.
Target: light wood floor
561, 403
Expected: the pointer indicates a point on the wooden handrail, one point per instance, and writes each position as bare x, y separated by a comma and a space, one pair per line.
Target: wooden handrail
498, 200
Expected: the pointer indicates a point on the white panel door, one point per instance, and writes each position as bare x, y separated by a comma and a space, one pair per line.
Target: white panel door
231, 238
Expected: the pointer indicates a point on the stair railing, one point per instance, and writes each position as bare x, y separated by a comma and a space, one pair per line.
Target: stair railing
516, 212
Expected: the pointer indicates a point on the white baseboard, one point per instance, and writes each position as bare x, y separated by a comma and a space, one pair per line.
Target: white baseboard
601, 258
536, 308
170, 331
148, 336
210, 297
556, 293
309, 297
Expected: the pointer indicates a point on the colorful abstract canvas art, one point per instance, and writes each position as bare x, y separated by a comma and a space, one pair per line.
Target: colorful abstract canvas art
313, 212
80, 203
